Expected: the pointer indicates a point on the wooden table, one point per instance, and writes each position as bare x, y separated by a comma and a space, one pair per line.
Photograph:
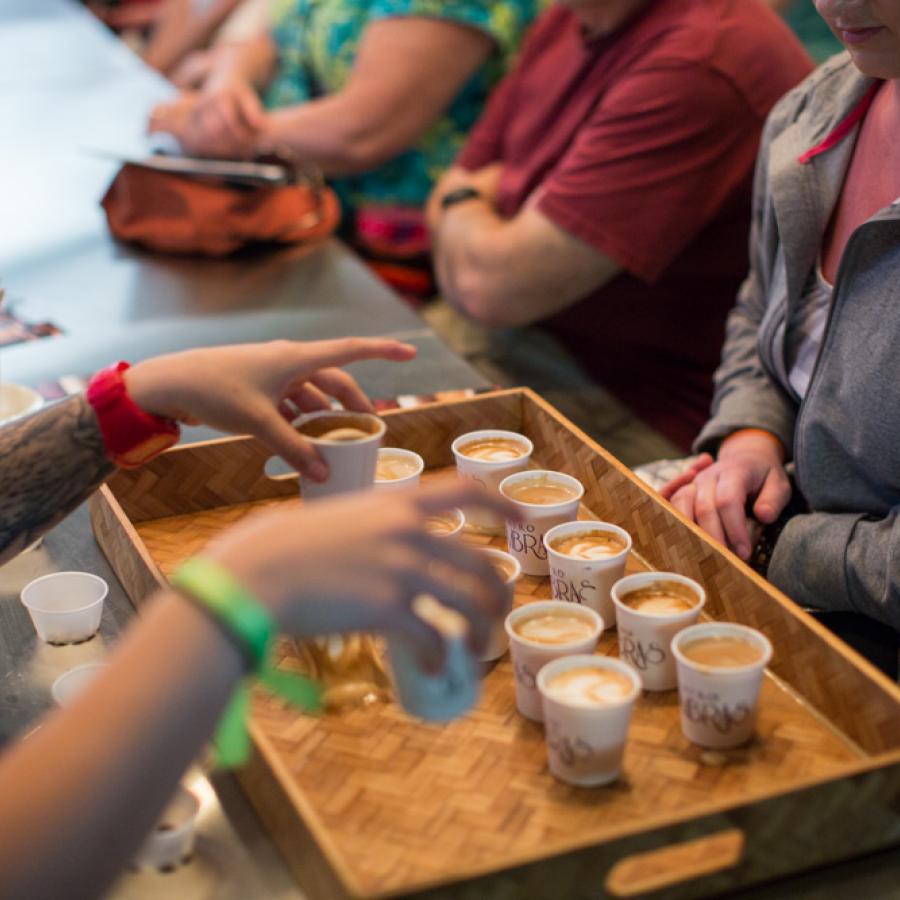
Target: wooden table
65, 84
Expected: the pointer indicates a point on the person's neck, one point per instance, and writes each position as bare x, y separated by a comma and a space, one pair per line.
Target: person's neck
604, 18
891, 93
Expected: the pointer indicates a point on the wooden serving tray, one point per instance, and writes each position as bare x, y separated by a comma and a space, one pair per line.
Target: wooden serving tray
369, 803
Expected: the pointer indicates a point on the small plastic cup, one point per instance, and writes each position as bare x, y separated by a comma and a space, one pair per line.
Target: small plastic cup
65, 607
526, 537
645, 639
587, 581
388, 454
489, 473
719, 703
71, 684
529, 656
16, 401
586, 742
172, 840
444, 695
499, 642
351, 463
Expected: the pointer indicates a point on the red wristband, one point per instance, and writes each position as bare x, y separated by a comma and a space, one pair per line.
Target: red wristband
131, 436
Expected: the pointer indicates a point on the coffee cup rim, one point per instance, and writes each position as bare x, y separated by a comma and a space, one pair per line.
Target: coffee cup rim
496, 551
589, 660
488, 433
536, 473
62, 577
658, 576
408, 454
301, 420
538, 606
722, 629
586, 525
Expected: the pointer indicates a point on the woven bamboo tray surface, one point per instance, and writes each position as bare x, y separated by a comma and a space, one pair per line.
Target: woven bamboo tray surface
395, 806
406, 803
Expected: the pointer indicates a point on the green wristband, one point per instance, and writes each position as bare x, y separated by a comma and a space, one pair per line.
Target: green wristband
217, 591
249, 623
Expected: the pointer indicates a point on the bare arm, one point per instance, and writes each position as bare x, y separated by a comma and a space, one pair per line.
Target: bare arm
49, 463
182, 28
81, 792
407, 71
512, 271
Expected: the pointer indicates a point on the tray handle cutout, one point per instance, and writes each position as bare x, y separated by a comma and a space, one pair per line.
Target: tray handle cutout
656, 869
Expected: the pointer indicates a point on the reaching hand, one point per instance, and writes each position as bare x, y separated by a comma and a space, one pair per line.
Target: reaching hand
356, 563
250, 388
715, 495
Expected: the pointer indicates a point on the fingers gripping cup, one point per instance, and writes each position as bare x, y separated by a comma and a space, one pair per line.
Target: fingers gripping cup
397, 469
65, 607
651, 608
543, 499
720, 671
541, 632
586, 559
487, 457
348, 442
508, 569
587, 703
448, 693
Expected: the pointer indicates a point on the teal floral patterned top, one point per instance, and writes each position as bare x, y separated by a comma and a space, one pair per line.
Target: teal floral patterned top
317, 41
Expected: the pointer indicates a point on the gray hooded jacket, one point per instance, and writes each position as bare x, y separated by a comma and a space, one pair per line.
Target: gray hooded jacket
844, 437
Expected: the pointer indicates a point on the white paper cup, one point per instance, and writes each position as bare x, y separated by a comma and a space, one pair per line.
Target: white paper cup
454, 689
16, 401
65, 607
529, 657
587, 581
719, 705
499, 642
585, 744
488, 474
172, 840
392, 484
525, 538
351, 463
644, 639
454, 516
70, 684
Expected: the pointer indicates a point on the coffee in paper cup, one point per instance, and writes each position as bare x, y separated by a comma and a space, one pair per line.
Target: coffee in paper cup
586, 559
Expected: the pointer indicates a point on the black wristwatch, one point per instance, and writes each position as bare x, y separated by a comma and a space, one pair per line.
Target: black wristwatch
459, 195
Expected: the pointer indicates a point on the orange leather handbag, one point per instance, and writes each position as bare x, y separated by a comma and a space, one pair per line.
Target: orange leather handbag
211, 207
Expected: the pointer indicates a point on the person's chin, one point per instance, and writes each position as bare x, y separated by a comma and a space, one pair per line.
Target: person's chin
875, 63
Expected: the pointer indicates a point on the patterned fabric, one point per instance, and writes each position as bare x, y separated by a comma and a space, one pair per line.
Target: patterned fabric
318, 40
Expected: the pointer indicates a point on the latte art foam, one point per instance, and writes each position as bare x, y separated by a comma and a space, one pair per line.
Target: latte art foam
554, 628
393, 468
590, 545
345, 435
590, 686
494, 449
661, 598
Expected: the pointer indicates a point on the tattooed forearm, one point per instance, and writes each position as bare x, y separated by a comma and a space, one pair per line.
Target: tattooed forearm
49, 463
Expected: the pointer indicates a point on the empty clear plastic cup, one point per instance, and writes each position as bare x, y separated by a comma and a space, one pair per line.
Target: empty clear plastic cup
70, 684
172, 840
65, 607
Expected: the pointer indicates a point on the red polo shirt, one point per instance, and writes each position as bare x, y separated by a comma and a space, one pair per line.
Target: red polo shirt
642, 144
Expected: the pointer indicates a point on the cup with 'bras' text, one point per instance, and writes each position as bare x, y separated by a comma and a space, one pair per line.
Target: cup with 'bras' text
543, 499
397, 469
586, 559
651, 608
587, 703
720, 672
487, 457
540, 632
348, 442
